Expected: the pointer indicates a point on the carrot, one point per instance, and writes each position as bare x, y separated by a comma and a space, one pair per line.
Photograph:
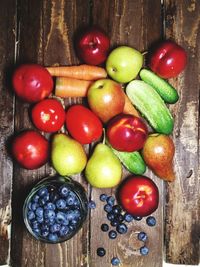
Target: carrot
69, 87
81, 72
129, 108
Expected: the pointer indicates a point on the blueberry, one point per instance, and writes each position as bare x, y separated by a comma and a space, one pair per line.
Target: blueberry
103, 197
50, 206
46, 198
64, 190
29, 205
110, 200
115, 261
107, 208
34, 206
37, 231
53, 197
49, 214
53, 237
112, 234
64, 230
42, 191
116, 209
70, 215
44, 227
144, 250
128, 217
35, 198
77, 214
74, 222
61, 218
142, 236
104, 227
44, 233
119, 218
70, 200
39, 212
61, 204
35, 224
55, 228
101, 252
91, 205
121, 228
40, 219
110, 216
30, 215
114, 222
72, 228
151, 221
137, 218
49, 221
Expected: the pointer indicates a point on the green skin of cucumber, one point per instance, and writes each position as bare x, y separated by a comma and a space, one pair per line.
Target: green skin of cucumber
167, 92
151, 106
132, 161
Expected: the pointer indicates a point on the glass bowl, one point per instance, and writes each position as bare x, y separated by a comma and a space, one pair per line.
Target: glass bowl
55, 209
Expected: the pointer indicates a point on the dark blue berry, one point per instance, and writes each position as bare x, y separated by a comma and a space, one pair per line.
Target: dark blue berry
119, 218
44, 227
110, 216
50, 206
34, 206
44, 233
128, 217
71, 199
30, 215
53, 237
39, 212
55, 228
53, 196
121, 228
142, 236
35, 224
61, 204
64, 190
101, 252
45, 198
103, 197
107, 208
35, 198
64, 230
40, 219
110, 200
104, 227
37, 231
144, 250
61, 217
116, 209
71, 228
115, 261
91, 205
49, 214
137, 218
42, 191
151, 221
112, 234
114, 222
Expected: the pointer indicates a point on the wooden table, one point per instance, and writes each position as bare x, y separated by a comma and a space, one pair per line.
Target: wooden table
42, 32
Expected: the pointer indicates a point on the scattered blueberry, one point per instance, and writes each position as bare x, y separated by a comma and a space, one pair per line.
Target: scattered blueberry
101, 252
142, 236
60, 204
119, 217
114, 222
112, 234
91, 205
116, 209
144, 250
107, 208
115, 261
103, 197
110, 200
110, 216
104, 227
137, 218
128, 217
121, 228
151, 221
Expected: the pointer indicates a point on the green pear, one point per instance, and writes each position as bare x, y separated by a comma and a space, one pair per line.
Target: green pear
67, 155
103, 169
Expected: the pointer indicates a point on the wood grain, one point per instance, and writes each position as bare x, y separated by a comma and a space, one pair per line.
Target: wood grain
7, 55
182, 23
137, 24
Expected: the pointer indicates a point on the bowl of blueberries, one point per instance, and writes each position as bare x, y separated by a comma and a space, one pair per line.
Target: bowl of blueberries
55, 209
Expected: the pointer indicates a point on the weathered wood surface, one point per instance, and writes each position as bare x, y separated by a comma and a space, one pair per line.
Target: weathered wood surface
42, 31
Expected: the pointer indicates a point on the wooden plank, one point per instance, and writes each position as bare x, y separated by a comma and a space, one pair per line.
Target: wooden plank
7, 52
46, 30
182, 23
138, 24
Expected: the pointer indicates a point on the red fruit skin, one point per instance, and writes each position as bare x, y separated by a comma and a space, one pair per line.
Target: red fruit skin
139, 195
48, 115
83, 125
32, 82
30, 149
168, 59
92, 46
126, 132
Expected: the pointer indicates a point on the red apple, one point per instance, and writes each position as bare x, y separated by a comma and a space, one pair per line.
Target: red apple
168, 59
126, 132
106, 98
138, 195
92, 46
30, 149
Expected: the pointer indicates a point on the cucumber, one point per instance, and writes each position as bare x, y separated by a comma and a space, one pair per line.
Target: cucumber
151, 105
167, 92
132, 161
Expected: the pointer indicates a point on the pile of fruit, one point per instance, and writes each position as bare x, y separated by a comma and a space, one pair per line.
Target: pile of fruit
126, 117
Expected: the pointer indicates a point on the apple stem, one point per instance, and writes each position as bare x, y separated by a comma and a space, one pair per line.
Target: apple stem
144, 53
104, 136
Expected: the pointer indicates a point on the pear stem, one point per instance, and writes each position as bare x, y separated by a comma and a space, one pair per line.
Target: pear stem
104, 136
144, 53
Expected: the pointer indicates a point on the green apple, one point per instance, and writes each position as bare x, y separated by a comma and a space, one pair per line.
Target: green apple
106, 98
124, 63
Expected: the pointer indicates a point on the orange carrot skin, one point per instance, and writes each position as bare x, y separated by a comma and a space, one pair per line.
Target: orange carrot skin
81, 72
129, 108
69, 87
